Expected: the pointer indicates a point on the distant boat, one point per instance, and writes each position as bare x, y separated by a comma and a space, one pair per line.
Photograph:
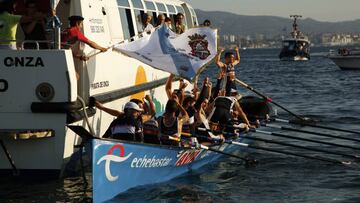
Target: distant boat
346, 59
297, 46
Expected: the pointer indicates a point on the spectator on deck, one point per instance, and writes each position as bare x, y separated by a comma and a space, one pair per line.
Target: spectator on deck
9, 23
160, 20
73, 34
147, 26
34, 30
207, 23
179, 25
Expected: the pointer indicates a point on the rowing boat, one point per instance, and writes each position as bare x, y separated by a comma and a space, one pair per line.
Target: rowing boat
118, 165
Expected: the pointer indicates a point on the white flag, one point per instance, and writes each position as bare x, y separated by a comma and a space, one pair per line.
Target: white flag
183, 55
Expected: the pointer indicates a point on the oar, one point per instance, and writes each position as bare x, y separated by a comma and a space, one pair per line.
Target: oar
309, 132
300, 147
304, 139
11, 161
268, 99
315, 126
290, 145
290, 153
248, 161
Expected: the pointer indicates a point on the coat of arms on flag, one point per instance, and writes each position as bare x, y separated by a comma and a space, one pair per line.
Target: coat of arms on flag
199, 46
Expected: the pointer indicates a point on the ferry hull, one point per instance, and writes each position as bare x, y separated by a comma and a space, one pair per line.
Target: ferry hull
119, 166
294, 58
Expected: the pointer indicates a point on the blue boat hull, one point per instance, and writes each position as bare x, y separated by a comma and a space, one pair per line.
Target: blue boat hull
119, 166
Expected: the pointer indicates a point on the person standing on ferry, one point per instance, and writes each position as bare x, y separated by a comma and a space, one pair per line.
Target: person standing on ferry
9, 23
147, 26
127, 125
34, 30
73, 34
228, 67
179, 25
160, 20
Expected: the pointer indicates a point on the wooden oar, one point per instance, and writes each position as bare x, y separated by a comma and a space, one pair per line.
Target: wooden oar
315, 126
309, 132
269, 99
290, 153
304, 139
291, 145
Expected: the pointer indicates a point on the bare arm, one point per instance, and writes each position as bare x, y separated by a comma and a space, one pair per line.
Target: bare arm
242, 114
237, 57
112, 112
96, 46
168, 86
218, 58
152, 111
183, 114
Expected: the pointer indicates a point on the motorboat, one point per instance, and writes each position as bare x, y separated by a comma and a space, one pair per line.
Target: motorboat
346, 59
297, 46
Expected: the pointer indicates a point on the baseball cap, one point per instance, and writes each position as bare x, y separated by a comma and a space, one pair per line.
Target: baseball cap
132, 105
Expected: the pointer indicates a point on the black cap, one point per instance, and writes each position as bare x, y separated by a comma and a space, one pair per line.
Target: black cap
75, 18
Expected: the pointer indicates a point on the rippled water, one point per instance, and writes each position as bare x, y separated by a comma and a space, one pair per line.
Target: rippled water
317, 89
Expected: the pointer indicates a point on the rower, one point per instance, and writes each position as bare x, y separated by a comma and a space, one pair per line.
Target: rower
221, 114
170, 125
228, 67
127, 126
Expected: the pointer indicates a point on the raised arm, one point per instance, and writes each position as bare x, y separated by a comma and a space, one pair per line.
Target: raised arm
152, 110
183, 114
168, 86
112, 112
237, 57
218, 58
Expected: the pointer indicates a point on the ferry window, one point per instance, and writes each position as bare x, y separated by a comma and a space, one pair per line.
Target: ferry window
137, 4
126, 23
192, 11
180, 9
161, 7
171, 8
124, 3
139, 15
150, 6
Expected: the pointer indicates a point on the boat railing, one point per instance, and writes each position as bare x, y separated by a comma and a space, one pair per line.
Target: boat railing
20, 43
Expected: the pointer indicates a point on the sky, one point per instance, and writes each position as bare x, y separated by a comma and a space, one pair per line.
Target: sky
322, 10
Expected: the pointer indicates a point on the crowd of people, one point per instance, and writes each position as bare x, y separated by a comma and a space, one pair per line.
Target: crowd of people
187, 113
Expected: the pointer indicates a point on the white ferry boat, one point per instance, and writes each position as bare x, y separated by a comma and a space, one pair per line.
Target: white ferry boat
40, 94
297, 46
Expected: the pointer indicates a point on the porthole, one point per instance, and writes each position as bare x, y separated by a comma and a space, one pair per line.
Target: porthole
45, 92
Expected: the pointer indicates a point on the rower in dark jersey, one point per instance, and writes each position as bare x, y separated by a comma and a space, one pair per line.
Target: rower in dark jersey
170, 124
127, 125
221, 115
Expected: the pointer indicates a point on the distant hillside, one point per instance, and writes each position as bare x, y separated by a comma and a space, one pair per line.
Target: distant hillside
230, 23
